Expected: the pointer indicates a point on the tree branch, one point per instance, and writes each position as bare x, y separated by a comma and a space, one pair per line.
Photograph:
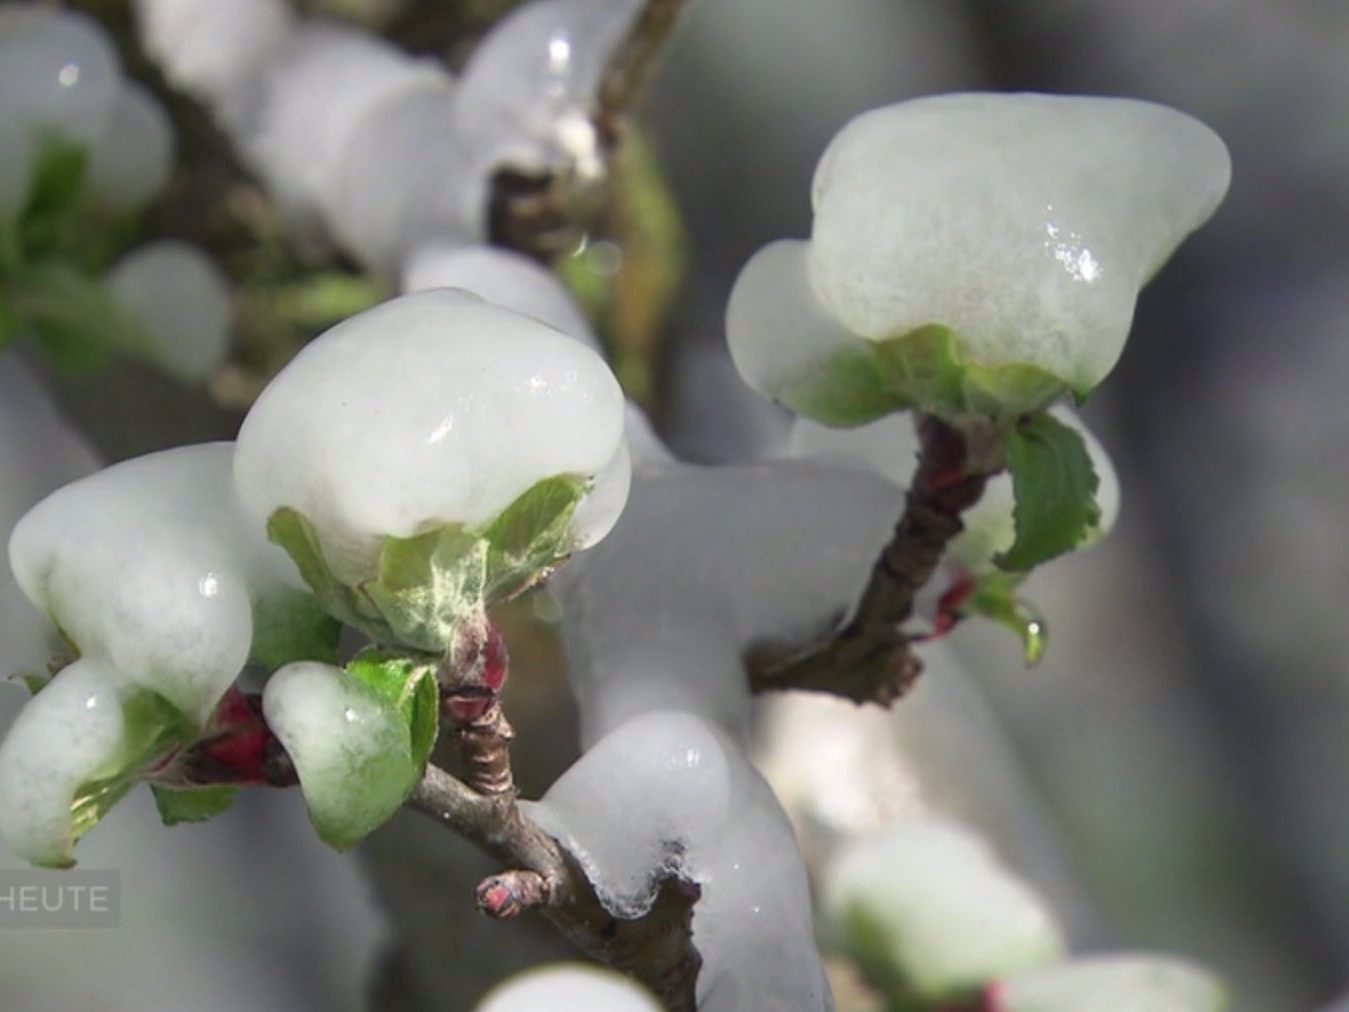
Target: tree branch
870, 659
632, 64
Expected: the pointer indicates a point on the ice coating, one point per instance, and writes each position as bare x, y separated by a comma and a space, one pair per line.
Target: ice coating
404, 177
212, 50
61, 739
132, 158
312, 99
668, 792
58, 71
337, 732
889, 447
432, 408
1027, 223
181, 299
499, 276
569, 987
1120, 983
950, 915
778, 332
528, 91
707, 561
150, 568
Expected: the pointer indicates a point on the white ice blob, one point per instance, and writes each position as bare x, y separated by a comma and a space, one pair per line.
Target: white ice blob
215, 51
404, 177
63, 738
668, 793
131, 159
707, 562
59, 71
429, 409
569, 987
313, 98
528, 92
889, 447
151, 569
181, 299
1121, 983
949, 915
499, 276
340, 736
1027, 223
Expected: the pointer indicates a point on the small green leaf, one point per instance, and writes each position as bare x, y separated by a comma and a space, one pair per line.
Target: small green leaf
995, 597
1055, 487
409, 685
531, 534
77, 322
192, 804
318, 301
845, 390
293, 626
923, 369
293, 532
32, 681
1016, 388
427, 584
57, 180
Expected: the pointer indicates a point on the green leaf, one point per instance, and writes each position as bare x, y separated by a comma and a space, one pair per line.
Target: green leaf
923, 369
1055, 487
409, 685
192, 804
77, 322
318, 301
845, 390
531, 535
995, 597
1016, 388
57, 181
293, 532
9, 322
293, 626
427, 584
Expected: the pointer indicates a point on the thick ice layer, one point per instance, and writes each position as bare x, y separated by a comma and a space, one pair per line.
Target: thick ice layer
528, 92
60, 740
336, 731
151, 570
58, 71
1120, 983
706, 562
405, 177
215, 51
949, 916
1026, 223
500, 276
181, 299
312, 99
566, 987
131, 160
889, 447
667, 792
430, 409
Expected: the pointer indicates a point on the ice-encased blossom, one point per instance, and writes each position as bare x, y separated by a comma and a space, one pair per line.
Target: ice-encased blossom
889, 447
1121, 983
668, 793
181, 300
132, 157
930, 899
1024, 223
499, 276
528, 92
569, 986
430, 409
151, 569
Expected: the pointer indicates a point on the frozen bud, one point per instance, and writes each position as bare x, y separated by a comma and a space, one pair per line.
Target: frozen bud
59, 73
181, 300
150, 568
351, 749
889, 447
69, 732
567, 986
1120, 983
529, 90
131, 160
973, 252
499, 276
215, 51
927, 902
430, 410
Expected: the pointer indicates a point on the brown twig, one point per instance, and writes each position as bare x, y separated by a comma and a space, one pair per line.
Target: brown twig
632, 64
869, 660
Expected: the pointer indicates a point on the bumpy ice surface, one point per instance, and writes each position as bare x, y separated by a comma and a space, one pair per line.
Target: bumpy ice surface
569, 987
1128, 983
